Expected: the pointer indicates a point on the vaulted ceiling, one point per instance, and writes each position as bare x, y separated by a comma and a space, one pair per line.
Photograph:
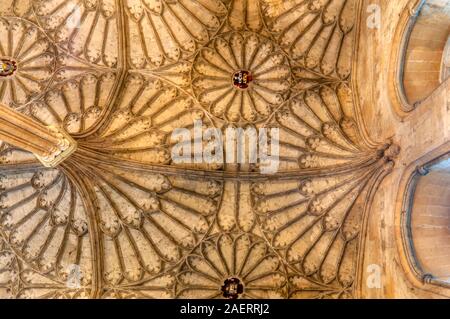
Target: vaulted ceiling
120, 76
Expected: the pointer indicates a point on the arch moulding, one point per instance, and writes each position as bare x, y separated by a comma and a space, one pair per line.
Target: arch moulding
400, 42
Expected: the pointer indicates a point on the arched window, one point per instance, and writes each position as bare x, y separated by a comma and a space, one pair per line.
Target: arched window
427, 226
424, 65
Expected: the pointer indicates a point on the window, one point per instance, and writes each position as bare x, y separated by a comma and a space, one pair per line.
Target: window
424, 50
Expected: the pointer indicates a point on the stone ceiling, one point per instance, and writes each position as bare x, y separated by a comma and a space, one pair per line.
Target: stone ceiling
120, 76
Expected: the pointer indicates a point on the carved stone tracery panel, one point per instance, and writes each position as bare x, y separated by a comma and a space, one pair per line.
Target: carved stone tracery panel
136, 224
